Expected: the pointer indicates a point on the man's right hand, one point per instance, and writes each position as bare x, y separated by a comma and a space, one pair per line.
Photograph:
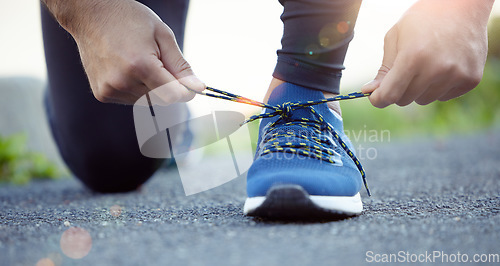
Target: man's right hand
126, 50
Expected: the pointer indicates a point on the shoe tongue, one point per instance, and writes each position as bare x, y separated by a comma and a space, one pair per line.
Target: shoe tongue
288, 92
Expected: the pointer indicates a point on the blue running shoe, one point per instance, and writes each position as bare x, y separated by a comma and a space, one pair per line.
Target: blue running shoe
301, 169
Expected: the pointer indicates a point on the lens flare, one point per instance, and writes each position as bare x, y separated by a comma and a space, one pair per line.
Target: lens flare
76, 242
324, 41
45, 262
333, 33
312, 51
328, 35
115, 210
343, 27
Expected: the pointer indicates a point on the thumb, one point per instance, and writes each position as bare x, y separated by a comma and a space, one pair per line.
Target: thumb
390, 54
175, 63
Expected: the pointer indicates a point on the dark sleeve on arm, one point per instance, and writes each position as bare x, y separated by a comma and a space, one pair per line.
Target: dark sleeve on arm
315, 40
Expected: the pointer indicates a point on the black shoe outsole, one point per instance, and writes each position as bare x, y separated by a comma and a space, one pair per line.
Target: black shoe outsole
292, 202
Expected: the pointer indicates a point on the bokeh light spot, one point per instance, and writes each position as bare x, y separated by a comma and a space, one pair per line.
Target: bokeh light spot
45, 262
312, 51
115, 210
76, 242
325, 41
343, 27
56, 258
328, 35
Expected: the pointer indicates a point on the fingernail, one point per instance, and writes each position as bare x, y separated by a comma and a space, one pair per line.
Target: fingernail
368, 87
368, 83
193, 83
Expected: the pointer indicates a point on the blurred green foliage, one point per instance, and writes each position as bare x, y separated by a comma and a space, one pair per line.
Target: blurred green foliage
476, 110
19, 166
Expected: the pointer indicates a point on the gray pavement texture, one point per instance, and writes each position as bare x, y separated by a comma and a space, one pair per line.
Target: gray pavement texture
428, 195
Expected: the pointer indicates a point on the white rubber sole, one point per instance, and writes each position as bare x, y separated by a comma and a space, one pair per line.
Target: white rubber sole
293, 201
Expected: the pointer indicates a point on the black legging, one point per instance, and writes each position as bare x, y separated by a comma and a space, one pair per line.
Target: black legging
98, 141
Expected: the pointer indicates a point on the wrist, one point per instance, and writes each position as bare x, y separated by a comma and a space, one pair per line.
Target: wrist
479, 9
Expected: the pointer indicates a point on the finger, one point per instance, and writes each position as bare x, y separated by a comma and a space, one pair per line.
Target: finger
119, 88
433, 93
157, 79
166, 87
193, 83
173, 60
425, 83
135, 87
393, 77
112, 95
454, 89
130, 95
393, 86
374, 84
415, 89
139, 90
449, 95
173, 92
457, 91
390, 53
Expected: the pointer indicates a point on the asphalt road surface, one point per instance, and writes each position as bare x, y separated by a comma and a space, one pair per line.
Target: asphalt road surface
430, 196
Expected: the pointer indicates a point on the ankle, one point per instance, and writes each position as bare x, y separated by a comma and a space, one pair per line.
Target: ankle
335, 106
274, 83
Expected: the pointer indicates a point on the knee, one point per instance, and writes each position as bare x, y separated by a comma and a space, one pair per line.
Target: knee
111, 174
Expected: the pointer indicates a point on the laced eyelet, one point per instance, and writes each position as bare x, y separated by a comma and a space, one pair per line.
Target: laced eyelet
285, 111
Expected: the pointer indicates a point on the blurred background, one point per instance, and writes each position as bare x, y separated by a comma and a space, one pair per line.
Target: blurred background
216, 34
